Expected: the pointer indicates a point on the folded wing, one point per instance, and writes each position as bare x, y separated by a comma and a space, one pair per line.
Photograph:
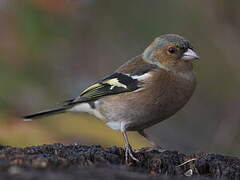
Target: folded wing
113, 84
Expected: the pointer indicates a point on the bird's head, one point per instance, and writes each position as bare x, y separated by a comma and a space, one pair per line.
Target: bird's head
171, 51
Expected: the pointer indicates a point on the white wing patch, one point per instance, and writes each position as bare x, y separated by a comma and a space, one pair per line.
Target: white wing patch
142, 77
115, 83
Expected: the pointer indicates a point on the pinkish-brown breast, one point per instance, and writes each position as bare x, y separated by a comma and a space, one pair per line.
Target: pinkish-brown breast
164, 94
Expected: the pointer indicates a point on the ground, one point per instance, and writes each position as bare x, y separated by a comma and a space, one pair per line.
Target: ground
58, 161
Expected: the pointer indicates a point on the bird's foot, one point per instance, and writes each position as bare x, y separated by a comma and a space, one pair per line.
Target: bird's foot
129, 154
150, 149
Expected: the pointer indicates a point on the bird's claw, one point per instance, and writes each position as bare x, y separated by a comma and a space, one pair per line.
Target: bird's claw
129, 153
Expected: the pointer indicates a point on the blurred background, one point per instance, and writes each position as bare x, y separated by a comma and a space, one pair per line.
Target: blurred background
51, 50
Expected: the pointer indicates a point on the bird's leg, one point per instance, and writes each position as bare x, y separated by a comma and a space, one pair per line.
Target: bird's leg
128, 148
155, 147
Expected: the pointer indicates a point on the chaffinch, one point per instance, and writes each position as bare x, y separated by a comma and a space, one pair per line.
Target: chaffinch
142, 92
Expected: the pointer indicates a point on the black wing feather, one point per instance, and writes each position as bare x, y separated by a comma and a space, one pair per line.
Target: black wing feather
113, 84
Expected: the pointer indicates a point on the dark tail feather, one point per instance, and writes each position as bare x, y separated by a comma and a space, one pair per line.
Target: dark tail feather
43, 114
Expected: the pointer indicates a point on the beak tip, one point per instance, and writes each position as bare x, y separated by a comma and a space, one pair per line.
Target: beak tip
190, 54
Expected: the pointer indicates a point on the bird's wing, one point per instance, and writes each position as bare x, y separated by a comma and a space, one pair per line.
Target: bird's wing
129, 77
113, 84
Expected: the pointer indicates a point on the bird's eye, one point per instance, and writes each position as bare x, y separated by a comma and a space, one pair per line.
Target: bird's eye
172, 50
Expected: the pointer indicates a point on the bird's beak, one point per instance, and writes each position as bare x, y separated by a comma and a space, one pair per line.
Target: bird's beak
190, 55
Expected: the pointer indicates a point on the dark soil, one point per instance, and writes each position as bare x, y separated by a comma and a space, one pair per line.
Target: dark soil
60, 161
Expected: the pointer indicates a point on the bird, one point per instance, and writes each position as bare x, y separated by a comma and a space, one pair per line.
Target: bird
144, 91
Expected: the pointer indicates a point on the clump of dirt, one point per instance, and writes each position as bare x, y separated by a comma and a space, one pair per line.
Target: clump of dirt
58, 161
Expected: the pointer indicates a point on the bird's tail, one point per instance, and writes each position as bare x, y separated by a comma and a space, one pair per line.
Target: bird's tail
44, 113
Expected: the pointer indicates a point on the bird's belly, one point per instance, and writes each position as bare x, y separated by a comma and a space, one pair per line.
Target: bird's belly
142, 111
161, 111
